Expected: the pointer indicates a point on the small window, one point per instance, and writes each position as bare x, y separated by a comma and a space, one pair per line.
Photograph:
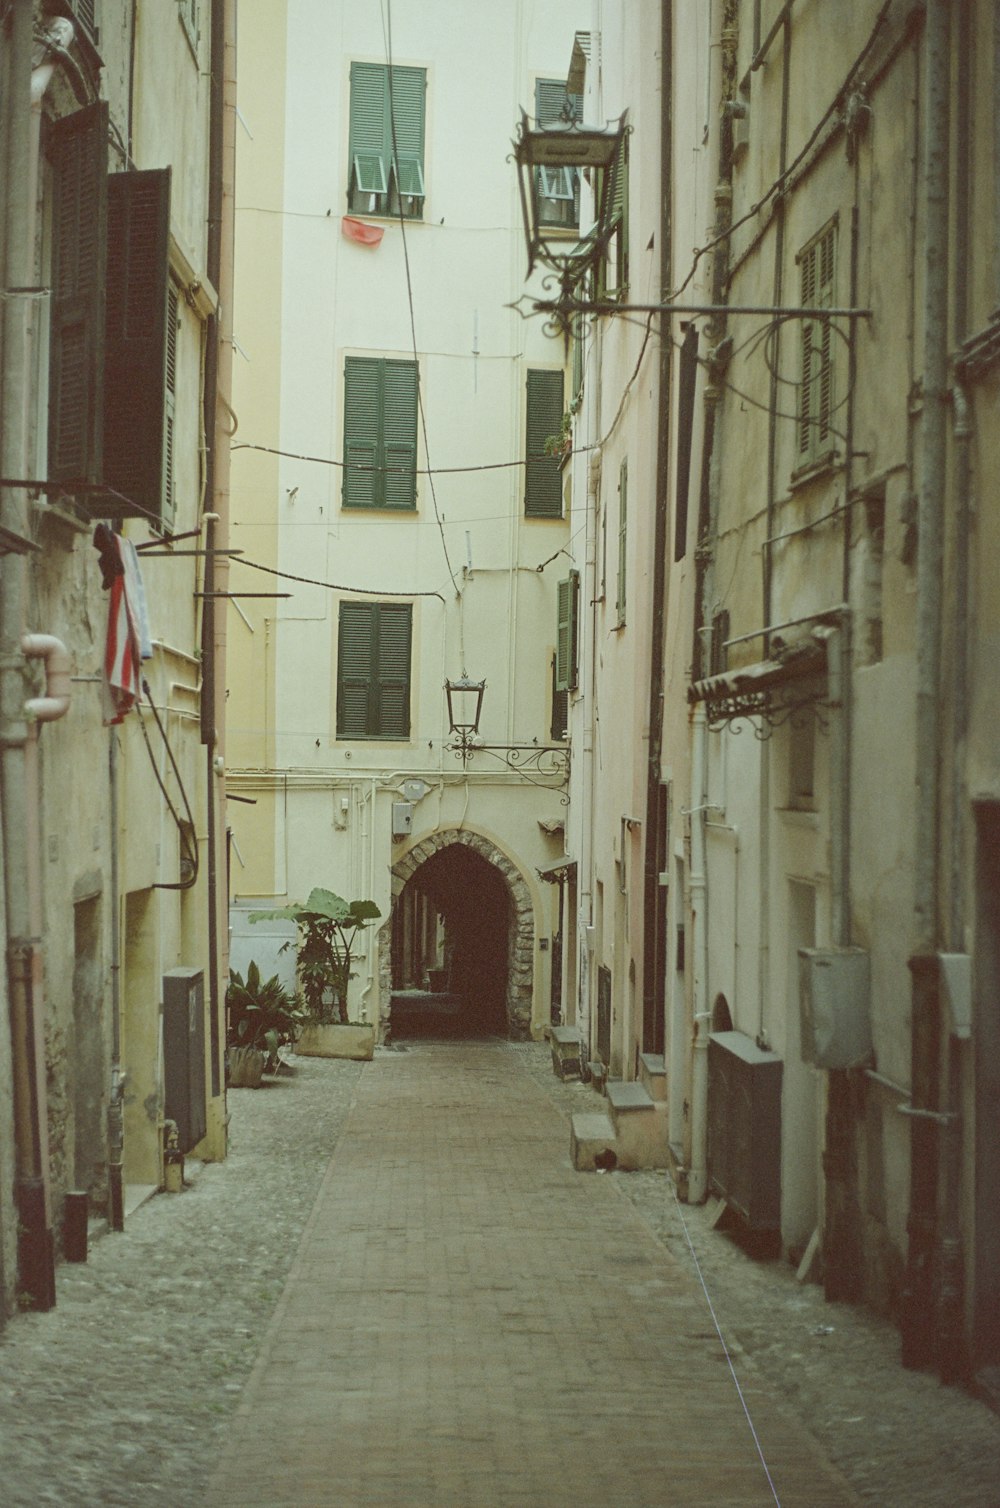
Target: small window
544, 422
386, 148
373, 670
380, 433
817, 270
567, 620
558, 188
612, 270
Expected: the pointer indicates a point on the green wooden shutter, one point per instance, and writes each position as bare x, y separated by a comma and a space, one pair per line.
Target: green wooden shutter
362, 411
816, 399
406, 134
622, 541
393, 670
136, 342
368, 149
354, 668
567, 612
550, 102
373, 670
170, 405
543, 478
79, 153
399, 434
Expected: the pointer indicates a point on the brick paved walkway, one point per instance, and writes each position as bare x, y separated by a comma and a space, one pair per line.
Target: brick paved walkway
470, 1322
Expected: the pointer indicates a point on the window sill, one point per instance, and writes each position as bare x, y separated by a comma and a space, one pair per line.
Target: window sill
814, 471
800, 816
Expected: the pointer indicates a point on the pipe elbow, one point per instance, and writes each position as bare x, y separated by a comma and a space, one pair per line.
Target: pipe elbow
55, 703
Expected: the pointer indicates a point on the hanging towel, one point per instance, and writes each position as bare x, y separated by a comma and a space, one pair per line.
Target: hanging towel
128, 641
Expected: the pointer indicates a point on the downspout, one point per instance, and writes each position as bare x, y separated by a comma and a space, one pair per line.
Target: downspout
36, 1259
654, 965
951, 1350
697, 1181
218, 412
917, 1307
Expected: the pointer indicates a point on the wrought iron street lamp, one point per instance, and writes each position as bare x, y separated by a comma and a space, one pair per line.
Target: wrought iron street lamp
465, 705
550, 161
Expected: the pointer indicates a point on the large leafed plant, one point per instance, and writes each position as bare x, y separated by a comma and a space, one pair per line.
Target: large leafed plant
327, 928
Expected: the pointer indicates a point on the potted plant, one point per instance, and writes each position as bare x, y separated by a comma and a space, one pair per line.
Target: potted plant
261, 1015
327, 928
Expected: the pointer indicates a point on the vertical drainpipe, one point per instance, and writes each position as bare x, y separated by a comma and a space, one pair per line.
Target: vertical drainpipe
951, 1352
654, 971
697, 1181
36, 1261
917, 1309
217, 416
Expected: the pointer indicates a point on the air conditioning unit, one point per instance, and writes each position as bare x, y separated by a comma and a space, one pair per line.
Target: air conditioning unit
184, 1054
834, 1006
744, 1128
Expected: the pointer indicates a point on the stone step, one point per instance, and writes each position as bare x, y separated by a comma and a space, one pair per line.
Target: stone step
640, 1125
653, 1075
592, 1141
566, 1052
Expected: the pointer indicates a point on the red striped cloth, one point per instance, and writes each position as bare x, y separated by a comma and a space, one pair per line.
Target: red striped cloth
121, 658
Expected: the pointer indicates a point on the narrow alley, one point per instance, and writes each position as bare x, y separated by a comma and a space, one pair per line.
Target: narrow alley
371, 1303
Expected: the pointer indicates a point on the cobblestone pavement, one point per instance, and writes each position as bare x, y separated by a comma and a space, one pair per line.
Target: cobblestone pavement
900, 1438
124, 1395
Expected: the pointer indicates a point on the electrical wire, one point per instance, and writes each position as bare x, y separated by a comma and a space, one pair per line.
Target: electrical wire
332, 586
782, 178
189, 852
387, 35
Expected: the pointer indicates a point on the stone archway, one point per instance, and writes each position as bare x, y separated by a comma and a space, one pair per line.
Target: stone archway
521, 948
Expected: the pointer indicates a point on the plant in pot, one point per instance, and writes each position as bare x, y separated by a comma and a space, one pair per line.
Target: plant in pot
327, 929
261, 1015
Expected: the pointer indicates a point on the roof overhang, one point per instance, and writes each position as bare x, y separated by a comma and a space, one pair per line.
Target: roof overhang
772, 689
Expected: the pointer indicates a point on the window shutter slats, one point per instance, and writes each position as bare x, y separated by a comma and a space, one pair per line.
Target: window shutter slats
399, 430
817, 269
543, 478
394, 669
373, 670
362, 405
79, 257
567, 610
369, 114
136, 342
622, 542
380, 433
408, 85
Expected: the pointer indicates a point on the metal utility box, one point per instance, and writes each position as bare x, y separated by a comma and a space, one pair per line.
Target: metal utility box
402, 819
184, 1054
834, 995
744, 1127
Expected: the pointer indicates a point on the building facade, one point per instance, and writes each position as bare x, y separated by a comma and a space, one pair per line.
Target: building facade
394, 487
114, 254
784, 839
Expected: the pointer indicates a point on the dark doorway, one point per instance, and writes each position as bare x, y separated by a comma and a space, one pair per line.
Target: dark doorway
986, 1050
451, 948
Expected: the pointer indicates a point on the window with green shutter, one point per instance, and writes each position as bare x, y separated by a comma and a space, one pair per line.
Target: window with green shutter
385, 170
558, 188
380, 433
373, 670
543, 477
567, 619
817, 273
622, 543
135, 346
612, 270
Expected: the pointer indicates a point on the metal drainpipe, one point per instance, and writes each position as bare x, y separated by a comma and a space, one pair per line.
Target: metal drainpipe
917, 1307
36, 1261
697, 1181
654, 966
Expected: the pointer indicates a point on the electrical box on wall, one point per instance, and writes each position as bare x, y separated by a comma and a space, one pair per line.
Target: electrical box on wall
402, 819
834, 1006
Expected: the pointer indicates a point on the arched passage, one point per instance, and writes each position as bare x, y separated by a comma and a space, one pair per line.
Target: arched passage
485, 914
